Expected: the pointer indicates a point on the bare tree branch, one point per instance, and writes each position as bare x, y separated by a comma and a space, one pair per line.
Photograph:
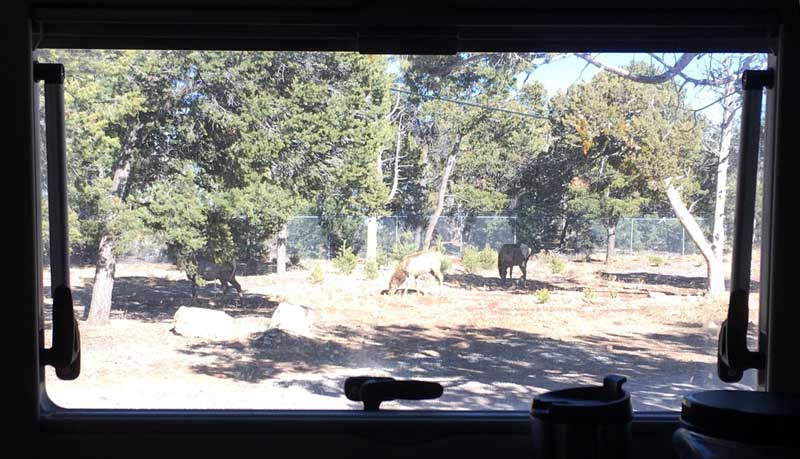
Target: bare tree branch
667, 75
396, 176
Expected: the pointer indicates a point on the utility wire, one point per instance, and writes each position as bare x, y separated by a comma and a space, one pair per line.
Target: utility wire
461, 102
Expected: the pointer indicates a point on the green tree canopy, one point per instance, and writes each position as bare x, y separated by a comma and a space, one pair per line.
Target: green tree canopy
623, 139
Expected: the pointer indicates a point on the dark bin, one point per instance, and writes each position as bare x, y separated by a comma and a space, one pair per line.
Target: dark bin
583, 422
738, 424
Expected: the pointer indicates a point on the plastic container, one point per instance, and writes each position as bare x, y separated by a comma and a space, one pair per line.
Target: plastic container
583, 422
738, 424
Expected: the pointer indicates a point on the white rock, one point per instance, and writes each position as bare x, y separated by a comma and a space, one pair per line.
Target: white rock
293, 318
203, 323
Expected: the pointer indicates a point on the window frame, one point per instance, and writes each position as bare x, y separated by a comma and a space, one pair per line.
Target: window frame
368, 32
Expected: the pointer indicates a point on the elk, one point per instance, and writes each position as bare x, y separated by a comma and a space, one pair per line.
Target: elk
415, 265
511, 255
208, 270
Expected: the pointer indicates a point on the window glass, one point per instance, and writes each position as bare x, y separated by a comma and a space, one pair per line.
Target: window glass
248, 229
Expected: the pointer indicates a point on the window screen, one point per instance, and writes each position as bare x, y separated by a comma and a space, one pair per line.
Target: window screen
248, 229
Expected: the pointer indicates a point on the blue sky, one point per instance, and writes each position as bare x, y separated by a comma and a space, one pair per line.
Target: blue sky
560, 74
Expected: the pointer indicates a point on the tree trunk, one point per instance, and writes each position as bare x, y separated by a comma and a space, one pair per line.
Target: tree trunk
372, 221
726, 131
562, 240
396, 173
372, 238
448, 169
716, 276
99, 312
611, 242
283, 234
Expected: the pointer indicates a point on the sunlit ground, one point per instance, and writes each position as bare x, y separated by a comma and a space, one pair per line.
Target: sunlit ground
492, 346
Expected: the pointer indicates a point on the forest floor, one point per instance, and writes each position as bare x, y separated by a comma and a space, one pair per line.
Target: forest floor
493, 346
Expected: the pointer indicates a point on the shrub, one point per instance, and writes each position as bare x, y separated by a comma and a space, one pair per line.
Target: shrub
439, 245
656, 260
371, 269
317, 275
475, 260
543, 295
471, 259
381, 257
487, 258
447, 263
405, 247
345, 261
294, 259
555, 263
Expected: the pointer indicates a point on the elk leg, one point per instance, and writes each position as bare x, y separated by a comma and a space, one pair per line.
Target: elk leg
194, 285
439, 276
224, 285
236, 285
404, 286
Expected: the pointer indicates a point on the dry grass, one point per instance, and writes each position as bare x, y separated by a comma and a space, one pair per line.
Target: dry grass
494, 346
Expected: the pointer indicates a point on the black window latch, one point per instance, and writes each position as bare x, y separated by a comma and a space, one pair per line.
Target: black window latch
372, 390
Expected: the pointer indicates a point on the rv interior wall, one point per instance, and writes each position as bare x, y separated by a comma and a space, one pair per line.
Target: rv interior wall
136, 434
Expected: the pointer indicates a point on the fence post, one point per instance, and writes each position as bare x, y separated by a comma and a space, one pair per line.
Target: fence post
633, 221
461, 235
514, 226
683, 241
283, 237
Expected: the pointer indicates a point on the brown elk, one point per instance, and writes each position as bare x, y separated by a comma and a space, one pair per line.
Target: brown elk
415, 265
208, 270
511, 255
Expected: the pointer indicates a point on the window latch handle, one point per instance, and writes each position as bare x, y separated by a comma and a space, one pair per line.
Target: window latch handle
64, 355
375, 390
733, 357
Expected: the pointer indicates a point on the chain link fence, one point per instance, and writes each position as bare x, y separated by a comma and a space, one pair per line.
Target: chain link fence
651, 234
307, 239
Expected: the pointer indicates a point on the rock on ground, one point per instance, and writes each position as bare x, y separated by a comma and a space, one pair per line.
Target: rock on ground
203, 323
293, 318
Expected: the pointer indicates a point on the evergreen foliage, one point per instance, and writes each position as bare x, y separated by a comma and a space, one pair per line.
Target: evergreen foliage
345, 260
213, 152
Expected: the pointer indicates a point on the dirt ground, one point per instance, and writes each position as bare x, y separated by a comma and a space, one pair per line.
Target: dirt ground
492, 346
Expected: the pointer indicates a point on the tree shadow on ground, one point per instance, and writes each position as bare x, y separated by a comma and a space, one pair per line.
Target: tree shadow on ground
675, 284
155, 299
514, 286
687, 282
481, 368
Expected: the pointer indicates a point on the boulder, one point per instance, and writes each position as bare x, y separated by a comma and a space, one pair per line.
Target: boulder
203, 323
293, 318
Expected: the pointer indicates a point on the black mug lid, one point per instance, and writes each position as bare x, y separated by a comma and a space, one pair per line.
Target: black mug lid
761, 418
608, 403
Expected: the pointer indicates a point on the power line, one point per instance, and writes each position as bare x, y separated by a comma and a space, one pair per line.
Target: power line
461, 102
